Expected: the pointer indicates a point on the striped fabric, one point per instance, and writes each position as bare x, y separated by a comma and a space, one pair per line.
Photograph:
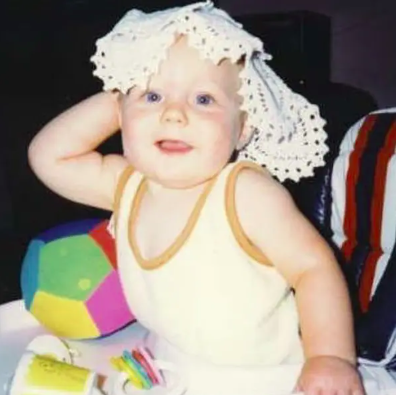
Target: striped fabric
363, 221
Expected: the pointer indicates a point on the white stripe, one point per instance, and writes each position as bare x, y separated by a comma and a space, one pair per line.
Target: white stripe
388, 231
338, 183
385, 110
338, 186
382, 263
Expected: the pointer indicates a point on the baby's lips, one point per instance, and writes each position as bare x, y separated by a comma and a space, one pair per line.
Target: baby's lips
173, 146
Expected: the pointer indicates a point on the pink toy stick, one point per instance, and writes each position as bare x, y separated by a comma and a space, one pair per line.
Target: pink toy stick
151, 363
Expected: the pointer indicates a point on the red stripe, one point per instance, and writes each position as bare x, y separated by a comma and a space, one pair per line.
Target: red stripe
377, 207
384, 156
351, 180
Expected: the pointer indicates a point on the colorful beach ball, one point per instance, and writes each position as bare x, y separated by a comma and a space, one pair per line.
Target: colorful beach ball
70, 282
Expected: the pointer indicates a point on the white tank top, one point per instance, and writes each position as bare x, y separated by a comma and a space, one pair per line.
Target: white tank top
211, 294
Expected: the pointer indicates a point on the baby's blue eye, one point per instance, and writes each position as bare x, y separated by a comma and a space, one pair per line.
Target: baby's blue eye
153, 97
204, 100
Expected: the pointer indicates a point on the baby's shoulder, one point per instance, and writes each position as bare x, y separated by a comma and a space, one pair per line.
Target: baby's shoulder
263, 207
254, 184
261, 201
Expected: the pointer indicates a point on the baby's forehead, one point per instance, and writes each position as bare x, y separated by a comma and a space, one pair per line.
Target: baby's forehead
183, 61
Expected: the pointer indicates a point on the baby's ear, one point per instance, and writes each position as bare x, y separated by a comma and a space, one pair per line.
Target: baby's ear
119, 97
245, 134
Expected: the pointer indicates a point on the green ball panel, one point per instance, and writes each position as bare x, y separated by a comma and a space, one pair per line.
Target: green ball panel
72, 267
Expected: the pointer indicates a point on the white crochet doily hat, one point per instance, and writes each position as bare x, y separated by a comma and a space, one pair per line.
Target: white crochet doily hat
288, 133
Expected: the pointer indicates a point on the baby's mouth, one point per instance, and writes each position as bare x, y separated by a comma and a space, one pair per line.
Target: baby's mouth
173, 146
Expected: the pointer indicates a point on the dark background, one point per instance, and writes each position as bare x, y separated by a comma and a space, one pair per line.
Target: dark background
363, 37
45, 68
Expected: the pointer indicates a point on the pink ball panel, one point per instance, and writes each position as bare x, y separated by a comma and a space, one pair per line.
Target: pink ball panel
108, 307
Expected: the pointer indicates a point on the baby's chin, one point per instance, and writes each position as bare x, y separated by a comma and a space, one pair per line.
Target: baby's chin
181, 183
183, 180
177, 172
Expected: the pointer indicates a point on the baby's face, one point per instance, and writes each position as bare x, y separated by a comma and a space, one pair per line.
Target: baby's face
183, 128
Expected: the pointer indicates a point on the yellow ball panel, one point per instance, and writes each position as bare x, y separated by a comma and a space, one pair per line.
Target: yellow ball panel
63, 317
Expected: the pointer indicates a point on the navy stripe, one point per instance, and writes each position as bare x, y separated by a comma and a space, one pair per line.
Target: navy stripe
375, 328
358, 258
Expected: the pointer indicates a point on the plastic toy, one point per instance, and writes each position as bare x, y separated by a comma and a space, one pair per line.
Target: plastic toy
145, 374
46, 366
139, 368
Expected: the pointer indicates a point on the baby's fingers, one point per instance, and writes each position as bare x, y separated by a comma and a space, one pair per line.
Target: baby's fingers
327, 390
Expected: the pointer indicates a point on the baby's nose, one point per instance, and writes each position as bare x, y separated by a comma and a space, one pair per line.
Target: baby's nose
174, 113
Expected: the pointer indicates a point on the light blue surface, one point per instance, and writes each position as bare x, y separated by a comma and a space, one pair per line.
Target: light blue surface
18, 328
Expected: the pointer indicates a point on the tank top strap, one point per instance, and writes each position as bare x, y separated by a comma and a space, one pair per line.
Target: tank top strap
127, 185
223, 197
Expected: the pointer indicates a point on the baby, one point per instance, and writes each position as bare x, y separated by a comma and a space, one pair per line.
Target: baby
214, 258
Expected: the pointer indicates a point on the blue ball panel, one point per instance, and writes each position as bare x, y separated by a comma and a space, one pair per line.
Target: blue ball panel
69, 229
30, 271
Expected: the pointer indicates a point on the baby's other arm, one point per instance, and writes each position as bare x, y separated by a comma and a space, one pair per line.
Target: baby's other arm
272, 222
64, 158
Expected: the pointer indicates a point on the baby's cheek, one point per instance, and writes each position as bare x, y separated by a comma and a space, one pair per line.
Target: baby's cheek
222, 148
130, 144
222, 143
226, 136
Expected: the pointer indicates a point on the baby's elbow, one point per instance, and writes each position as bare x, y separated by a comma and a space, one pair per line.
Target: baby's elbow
38, 159
33, 154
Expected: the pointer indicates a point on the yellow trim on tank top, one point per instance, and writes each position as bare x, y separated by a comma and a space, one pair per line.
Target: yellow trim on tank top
165, 256
244, 242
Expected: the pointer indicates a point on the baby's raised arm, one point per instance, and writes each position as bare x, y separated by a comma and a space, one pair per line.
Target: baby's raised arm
63, 154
